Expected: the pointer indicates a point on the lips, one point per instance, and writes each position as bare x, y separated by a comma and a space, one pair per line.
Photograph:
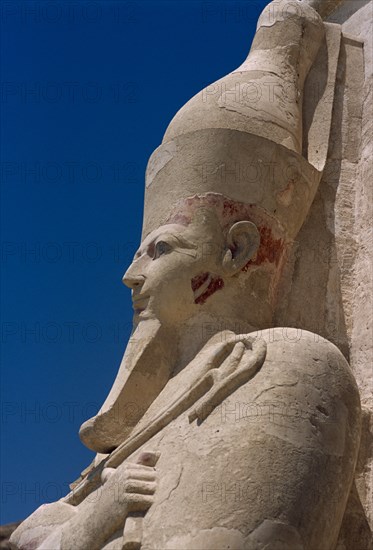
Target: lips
139, 303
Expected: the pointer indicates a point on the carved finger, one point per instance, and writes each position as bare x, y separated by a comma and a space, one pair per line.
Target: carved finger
140, 474
140, 467
140, 487
131, 471
139, 503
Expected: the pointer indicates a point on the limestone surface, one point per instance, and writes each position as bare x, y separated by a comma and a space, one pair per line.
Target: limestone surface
240, 414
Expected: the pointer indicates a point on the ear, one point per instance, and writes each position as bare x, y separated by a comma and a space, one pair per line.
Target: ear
242, 242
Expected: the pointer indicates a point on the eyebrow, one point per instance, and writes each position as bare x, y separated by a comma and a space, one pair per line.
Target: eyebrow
185, 242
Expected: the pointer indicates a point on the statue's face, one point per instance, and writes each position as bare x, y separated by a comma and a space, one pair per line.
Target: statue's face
165, 273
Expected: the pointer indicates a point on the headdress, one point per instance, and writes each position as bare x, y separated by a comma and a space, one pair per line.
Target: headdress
251, 136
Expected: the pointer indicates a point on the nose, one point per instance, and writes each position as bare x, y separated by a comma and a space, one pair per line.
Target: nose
132, 279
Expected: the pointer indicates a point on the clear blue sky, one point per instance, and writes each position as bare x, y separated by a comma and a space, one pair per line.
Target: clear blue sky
88, 89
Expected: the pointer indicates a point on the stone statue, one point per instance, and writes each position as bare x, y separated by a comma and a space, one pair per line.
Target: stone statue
223, 430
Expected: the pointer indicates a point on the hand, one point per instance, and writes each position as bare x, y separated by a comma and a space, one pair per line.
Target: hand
136, 482
127, 489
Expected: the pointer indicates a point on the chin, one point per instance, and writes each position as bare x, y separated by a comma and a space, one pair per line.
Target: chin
143, 315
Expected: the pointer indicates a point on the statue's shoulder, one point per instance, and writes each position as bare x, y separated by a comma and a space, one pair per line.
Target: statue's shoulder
298, 342
303, 381
282, 365
307, 358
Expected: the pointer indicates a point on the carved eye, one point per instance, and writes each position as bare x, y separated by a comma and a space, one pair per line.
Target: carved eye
161, 248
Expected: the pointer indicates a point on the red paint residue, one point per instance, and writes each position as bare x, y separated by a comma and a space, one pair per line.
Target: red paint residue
270, 249
230, 207
198, 281
272, 234
216, 283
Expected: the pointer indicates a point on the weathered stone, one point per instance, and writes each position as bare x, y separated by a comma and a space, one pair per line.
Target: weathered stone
244, 433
